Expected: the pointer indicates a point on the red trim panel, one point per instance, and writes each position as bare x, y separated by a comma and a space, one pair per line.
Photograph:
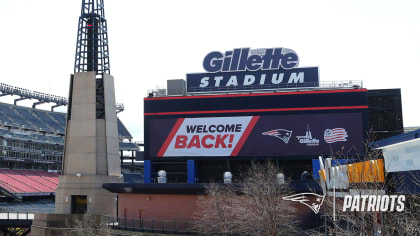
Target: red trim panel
259, 94
170, 137
245, 135
256, 110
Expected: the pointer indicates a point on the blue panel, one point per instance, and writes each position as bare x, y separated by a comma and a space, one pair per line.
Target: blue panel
316, 167
397, 139
408, 182
147, 172
191, 171
248, 80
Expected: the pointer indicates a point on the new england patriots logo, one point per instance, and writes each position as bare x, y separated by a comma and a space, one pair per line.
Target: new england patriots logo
282, 134
312, 200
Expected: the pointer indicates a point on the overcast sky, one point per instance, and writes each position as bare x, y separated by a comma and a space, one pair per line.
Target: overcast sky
152, 41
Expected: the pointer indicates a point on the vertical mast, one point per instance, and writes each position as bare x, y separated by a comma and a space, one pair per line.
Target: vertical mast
92, 52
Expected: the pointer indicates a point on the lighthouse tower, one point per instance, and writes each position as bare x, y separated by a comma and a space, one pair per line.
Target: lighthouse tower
91, 155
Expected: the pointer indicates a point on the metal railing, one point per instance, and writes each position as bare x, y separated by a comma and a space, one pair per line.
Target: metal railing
151, 226
347, 84
119, 107
6, 89
16, 216
29, 94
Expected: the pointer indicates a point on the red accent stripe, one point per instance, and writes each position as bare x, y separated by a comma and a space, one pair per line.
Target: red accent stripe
257, 110
170, 137
259, 94
245, 135
335, 137
270, 132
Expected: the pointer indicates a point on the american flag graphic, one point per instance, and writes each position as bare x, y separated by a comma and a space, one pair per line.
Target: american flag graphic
335, 135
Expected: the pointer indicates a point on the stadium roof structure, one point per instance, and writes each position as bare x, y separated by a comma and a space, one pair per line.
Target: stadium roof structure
6, 89
397, 139
193, 188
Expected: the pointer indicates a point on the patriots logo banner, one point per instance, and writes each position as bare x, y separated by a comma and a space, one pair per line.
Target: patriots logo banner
335, 135
276, 136
311, 200
282, 134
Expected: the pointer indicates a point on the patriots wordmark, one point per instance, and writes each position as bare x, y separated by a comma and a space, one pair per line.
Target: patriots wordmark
312, 200
282, 134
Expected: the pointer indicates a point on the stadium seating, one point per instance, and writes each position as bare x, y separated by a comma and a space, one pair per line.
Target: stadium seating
43, 115
55, 140
59, 117
6, 133
30, 179
126, 146
26, 181
42, 206
5, 118
34, 127
14, 116
133, 178
123, 132
55, 122
37, 176
48, 176
8, 186
30, 118
19, 186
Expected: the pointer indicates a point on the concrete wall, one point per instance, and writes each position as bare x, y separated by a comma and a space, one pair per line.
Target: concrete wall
158, 206
402, 156
91, 146
183, 207
111, 130
176, 87
80, 143
91, 155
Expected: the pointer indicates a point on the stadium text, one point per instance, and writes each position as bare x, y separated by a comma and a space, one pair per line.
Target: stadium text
278, 78
381, 203
232, 80
214, 128
207, 141
222, 140
240, 59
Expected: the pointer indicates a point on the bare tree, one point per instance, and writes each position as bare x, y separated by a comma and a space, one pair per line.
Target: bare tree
87, 225
406, 222
216, 210
252, 207
92, 225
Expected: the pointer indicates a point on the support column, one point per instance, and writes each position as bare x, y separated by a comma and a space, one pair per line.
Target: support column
192, 171
147, 172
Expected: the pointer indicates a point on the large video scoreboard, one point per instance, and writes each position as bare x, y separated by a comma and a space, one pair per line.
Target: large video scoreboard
283, 125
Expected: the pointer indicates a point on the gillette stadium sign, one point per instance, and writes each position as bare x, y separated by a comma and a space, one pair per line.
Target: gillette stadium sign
248, 69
